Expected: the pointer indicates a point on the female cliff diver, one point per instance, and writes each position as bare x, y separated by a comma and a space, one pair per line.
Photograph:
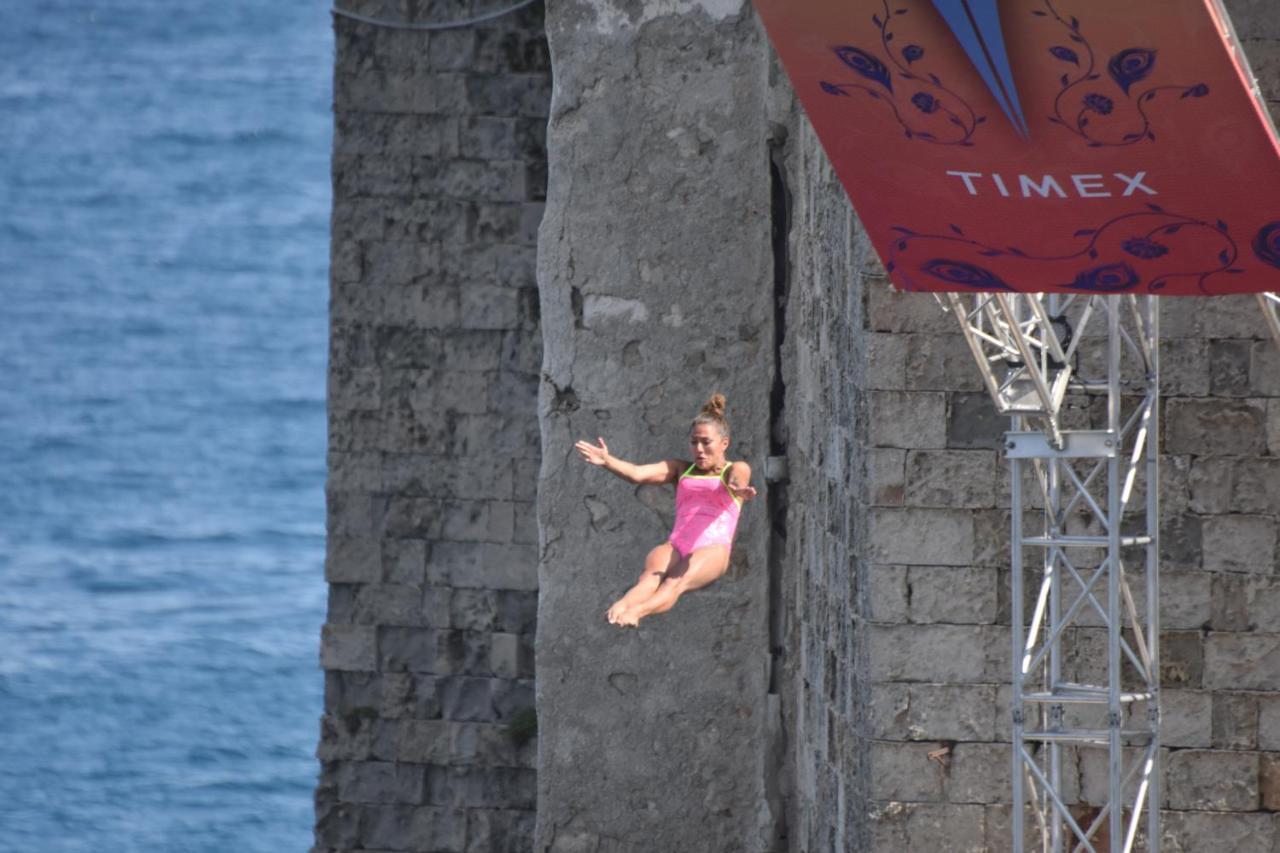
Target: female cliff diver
710, 492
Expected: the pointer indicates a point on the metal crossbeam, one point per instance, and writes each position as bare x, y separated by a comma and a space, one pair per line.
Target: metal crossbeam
1270, 303
1085, 536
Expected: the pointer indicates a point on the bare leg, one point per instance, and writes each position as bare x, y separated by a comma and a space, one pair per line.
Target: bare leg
703, 566
656, 565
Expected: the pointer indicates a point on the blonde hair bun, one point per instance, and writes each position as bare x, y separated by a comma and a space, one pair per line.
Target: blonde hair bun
713, 413
714, 406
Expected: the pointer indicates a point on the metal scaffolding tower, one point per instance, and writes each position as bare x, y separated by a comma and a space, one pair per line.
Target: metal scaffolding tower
1079, 377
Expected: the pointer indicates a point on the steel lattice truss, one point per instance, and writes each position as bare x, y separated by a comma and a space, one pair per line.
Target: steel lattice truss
1085, 546
1270, 303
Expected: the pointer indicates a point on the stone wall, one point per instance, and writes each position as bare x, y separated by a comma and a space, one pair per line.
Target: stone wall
439, 175
901, 740
657, 282
825, 365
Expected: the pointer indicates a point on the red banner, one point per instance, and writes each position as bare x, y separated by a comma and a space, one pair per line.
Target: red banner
1074, 146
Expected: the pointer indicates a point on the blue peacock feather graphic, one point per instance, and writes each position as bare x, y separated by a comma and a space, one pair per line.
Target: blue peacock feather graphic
918, 100
1085, 97
1136, 251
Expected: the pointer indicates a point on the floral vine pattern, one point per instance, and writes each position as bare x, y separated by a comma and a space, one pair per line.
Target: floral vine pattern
926, 99
1082, 100
1127, 253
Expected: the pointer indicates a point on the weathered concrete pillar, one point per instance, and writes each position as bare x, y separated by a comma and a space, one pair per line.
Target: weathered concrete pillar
657, 285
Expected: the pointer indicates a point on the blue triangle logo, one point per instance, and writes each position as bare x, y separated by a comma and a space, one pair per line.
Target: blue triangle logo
976, 23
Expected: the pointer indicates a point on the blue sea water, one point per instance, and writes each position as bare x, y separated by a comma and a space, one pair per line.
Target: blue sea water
164, 199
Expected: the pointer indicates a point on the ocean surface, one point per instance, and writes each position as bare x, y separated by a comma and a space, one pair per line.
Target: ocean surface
164, 200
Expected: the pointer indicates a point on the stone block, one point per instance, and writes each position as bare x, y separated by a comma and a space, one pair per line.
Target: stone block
886, 361
489, 137
452, 49
409, 696
930, 653
404, 561
909, 419
392, 827
1184, 368
1242, 661
486, 565
1257, 486
416, 306
1269, 722
356, 472
1210, 780
465, 698
1269, 780
1182, 659
521, 353
977, 771
1273, 427
516, 611
991, 534
1186, 600
348, 737
1229, 368
477, 521
1212, 484
952, 478
954, 594
509, 94
905, 772
512, 697
337, 825
348, 647
481, 787
886, 476
511, 655
1186, 718
1215, 427
375, 176
921, 536
891, 311
1234, 316
973, 423
353, 559
1240, 543
958, 712
520, 49
388, 604
901, 826
380, 782
1198, 832
438, 652
888, 600
940, 363
352, 514
1235, 721
1264, 368
1181, 542
345, 691
499, 830
444, 477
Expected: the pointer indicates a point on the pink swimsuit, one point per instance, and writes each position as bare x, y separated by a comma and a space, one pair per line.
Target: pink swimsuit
706, 512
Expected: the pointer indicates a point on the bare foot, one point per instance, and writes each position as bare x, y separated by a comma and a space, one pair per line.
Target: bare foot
628, 619
614, 612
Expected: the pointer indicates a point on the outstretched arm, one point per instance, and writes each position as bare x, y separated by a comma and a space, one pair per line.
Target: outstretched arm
665, 471
739, 482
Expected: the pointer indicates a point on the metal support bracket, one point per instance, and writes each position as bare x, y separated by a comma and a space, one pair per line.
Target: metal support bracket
1270, 304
